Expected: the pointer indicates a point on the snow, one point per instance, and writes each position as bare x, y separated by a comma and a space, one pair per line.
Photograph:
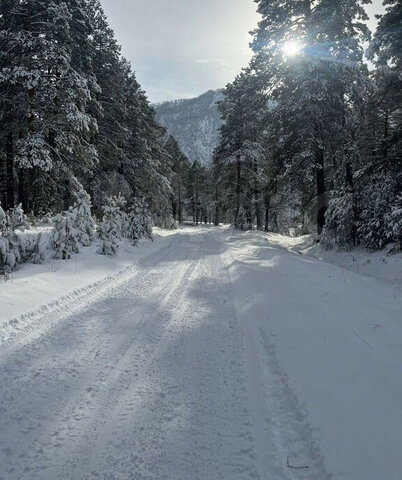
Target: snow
216, 355
382, 265
334, 339
34, 289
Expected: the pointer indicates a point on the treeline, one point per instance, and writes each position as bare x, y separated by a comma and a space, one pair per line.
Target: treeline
312, 137
191, 198
73, 115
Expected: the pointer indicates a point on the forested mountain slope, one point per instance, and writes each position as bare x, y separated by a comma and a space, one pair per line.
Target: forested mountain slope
194, 123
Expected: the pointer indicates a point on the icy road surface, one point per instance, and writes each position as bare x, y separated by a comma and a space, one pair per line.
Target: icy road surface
221, 357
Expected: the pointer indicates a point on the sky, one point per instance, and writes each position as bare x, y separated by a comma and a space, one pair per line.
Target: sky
182, 48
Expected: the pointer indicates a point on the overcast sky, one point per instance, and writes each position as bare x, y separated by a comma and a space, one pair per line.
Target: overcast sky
182, 48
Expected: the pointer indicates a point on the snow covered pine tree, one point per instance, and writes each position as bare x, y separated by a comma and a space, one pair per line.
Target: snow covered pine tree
64, 235
111, 228
11, 251
83, 220
139, 221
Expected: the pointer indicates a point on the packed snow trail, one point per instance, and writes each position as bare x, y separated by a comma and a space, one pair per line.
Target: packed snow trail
210, 363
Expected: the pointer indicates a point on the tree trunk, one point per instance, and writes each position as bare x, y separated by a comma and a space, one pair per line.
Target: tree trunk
197, 209
275, 221
384, 146
3, 181
23, 189
66, 199
28, 175
249, 218
174, 208
351, 190
321, 200
266, 228
10, 172
238, 190
35, 191
216, 219
257, 198
180, 204
258, 215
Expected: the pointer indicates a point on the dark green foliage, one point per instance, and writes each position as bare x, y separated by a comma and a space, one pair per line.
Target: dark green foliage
74, 110
315, 138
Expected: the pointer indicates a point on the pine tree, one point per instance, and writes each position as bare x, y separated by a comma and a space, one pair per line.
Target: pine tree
7, 259
395, 224
113, 223
180, 171
108, 178
17, 219
11, 249
310, 90
74, 112
239, 157
386, 46
52, 127
64, 236
149, 165
83, 220
139, 221
131, 146
383, 153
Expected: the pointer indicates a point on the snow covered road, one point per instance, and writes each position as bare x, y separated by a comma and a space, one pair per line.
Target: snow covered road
221, 357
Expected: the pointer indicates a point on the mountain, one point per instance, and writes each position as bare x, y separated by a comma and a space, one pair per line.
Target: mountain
194, 123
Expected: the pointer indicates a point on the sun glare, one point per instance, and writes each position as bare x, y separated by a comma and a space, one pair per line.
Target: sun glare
291, 48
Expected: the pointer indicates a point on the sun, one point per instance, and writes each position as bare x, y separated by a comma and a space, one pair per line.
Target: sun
291, 48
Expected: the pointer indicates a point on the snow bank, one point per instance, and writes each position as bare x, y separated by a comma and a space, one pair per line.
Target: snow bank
333, 338
33, 290
381, 265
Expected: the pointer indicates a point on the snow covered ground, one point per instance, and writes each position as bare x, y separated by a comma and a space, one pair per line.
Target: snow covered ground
381, 265
218, 355
33, 290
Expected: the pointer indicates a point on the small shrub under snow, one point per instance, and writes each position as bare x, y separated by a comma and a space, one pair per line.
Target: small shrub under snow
11, 250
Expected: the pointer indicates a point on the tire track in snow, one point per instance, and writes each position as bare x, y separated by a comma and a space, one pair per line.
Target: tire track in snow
186, 412
139, 388
29, 326
280, 423
71, 403
162, 379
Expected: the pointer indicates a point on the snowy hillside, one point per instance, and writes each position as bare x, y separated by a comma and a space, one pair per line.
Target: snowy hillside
194, 123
